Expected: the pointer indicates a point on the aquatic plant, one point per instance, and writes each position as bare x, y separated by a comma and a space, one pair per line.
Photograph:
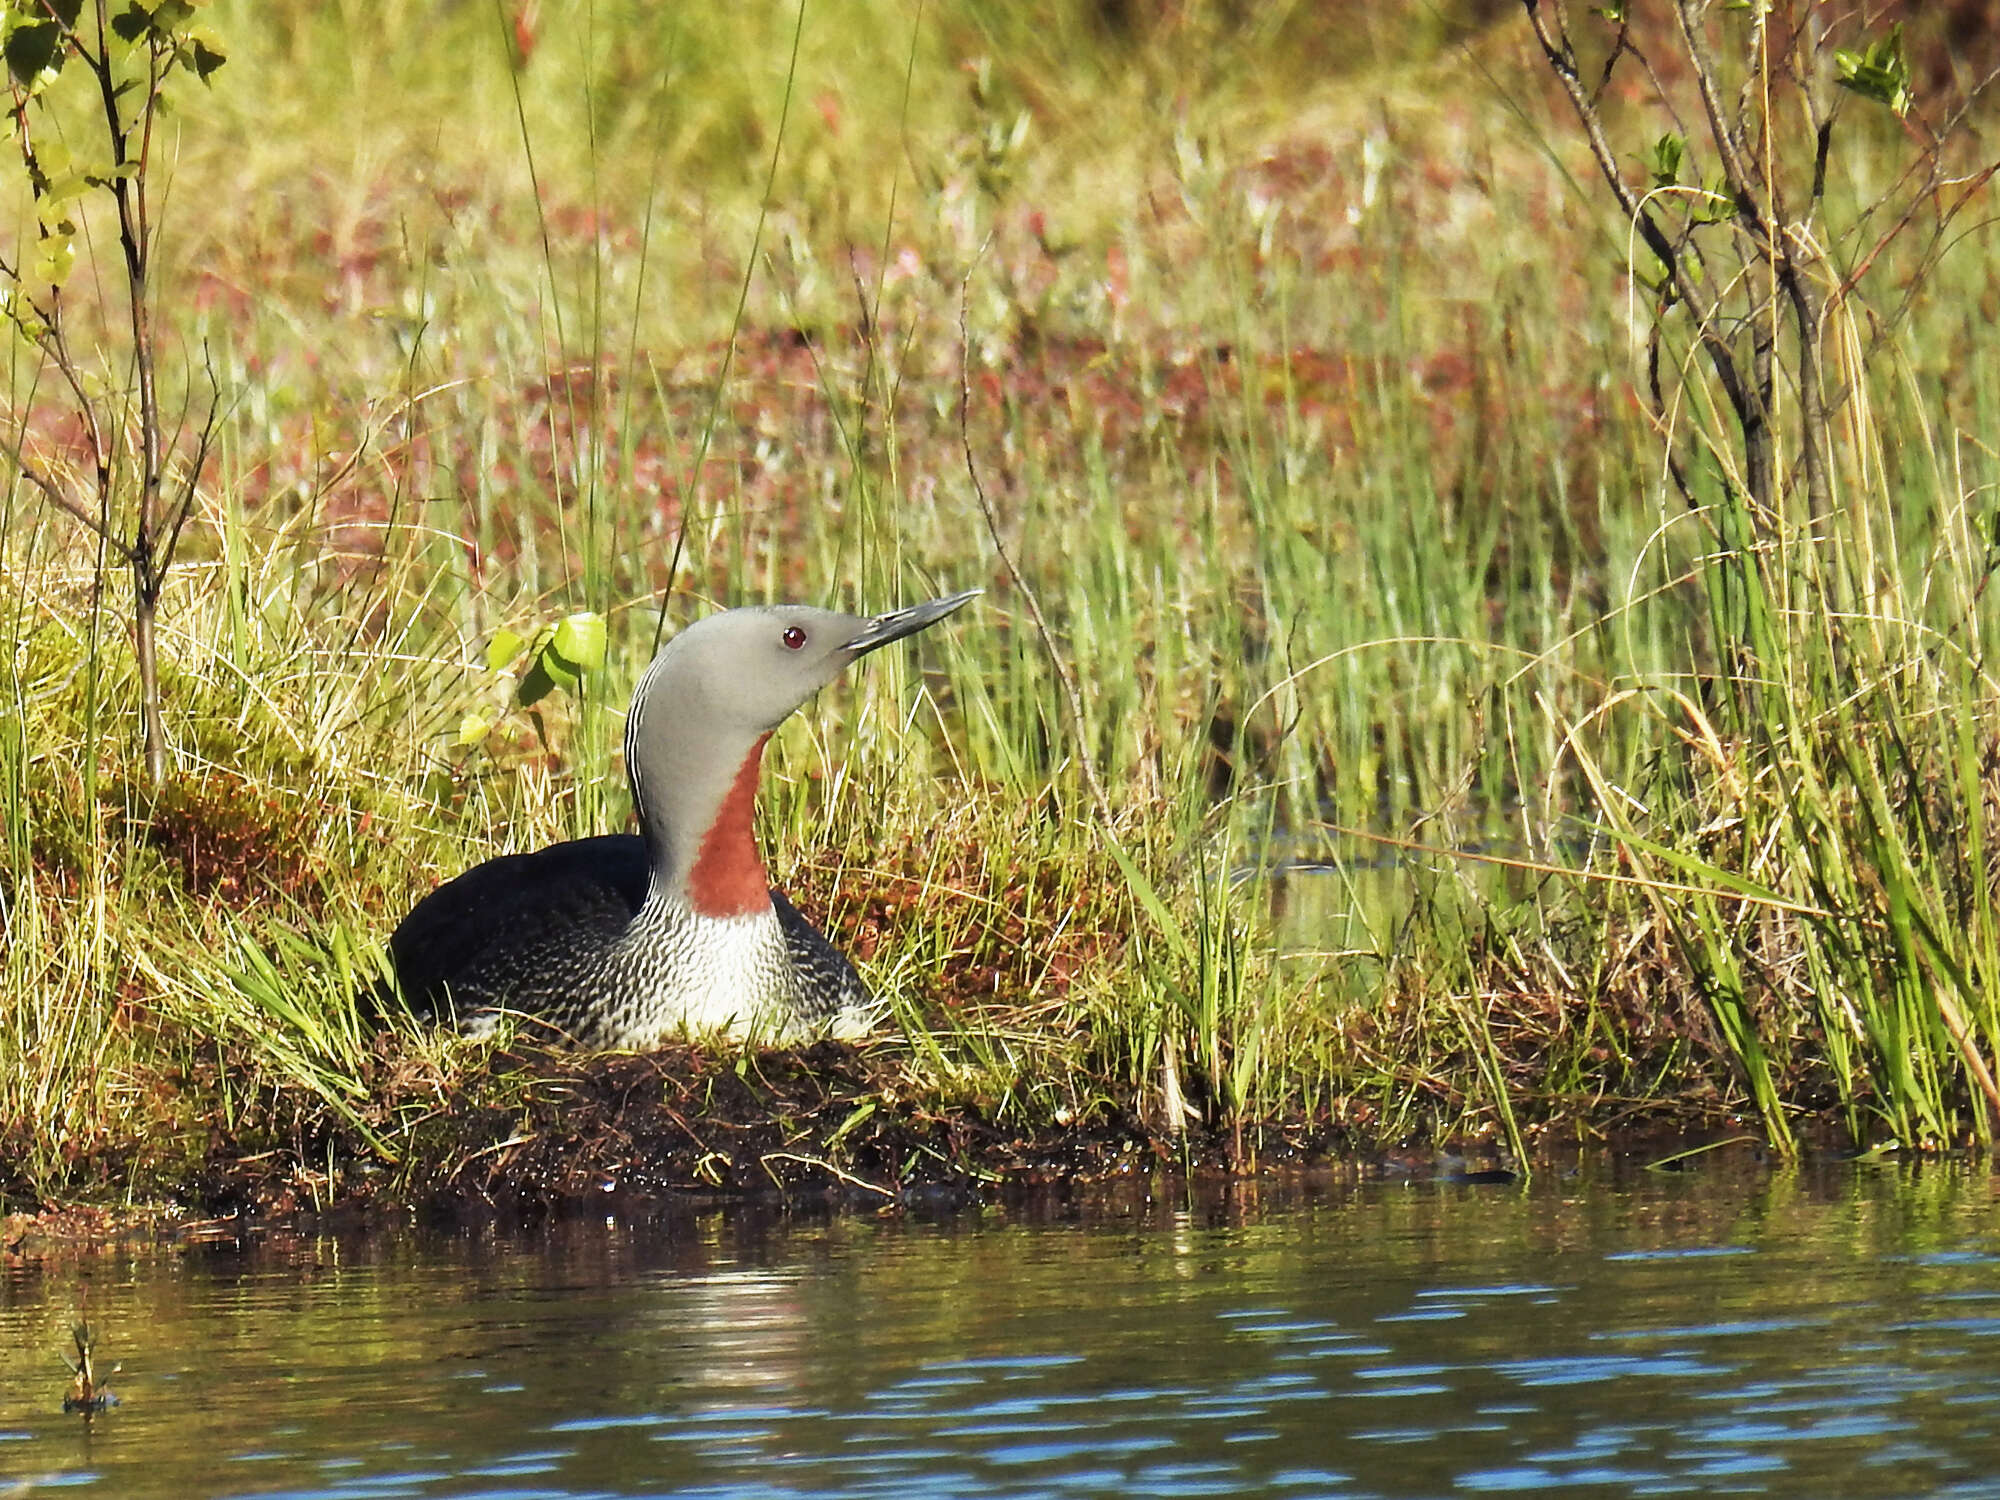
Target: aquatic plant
1826, 813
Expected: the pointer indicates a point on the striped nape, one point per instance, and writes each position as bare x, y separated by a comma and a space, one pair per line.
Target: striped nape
635, 729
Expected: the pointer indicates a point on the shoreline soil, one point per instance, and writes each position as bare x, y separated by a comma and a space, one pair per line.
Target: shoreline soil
542, 1136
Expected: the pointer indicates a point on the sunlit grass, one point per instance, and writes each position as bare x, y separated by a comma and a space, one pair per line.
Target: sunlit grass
1307, 424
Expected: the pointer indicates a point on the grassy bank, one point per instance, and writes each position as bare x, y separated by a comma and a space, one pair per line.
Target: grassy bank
1463, 776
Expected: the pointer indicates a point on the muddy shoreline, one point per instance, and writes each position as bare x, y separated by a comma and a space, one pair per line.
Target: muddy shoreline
544, 1136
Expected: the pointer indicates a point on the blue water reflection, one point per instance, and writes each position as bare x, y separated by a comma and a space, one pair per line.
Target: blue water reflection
1827, 1334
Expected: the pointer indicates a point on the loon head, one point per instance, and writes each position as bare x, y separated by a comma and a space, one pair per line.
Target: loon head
699, 720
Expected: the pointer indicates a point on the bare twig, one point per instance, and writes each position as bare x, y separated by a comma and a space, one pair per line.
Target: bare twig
184, 505
53, 493
1746, 401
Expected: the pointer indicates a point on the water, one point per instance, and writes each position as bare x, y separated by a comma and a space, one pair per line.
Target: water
1832, 1333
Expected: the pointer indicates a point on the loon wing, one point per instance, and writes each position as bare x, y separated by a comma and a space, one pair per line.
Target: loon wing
506, 930
828, 983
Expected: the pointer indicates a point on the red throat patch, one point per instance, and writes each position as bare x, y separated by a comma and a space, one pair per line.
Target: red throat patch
727, 878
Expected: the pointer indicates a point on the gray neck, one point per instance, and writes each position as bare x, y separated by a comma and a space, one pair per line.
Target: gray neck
683, 761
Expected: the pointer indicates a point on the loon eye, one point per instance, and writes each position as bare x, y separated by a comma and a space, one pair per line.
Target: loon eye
795, 637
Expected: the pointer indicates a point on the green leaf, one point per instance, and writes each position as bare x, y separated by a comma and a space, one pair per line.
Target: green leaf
503, 648
1716, 202
1879, 71
1149, 898
559, 654
131, 23
34, 49
561, 673
859, 1113
536, 684
473, 728
208, 56
207, 61
20, 312
58, 193
55, 256
1663, 162
579, 640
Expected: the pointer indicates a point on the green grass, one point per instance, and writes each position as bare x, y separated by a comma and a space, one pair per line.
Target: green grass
1304, 408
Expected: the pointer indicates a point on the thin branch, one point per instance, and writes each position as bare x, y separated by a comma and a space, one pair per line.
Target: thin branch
1620, 45
1974, 184
184, 506
1750, 411
1743, 181
55, 496
1958, 116
57, 344
1658, 397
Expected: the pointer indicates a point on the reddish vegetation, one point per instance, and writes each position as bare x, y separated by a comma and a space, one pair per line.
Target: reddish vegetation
800, 401
220, 838
1022, 929
229, 843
